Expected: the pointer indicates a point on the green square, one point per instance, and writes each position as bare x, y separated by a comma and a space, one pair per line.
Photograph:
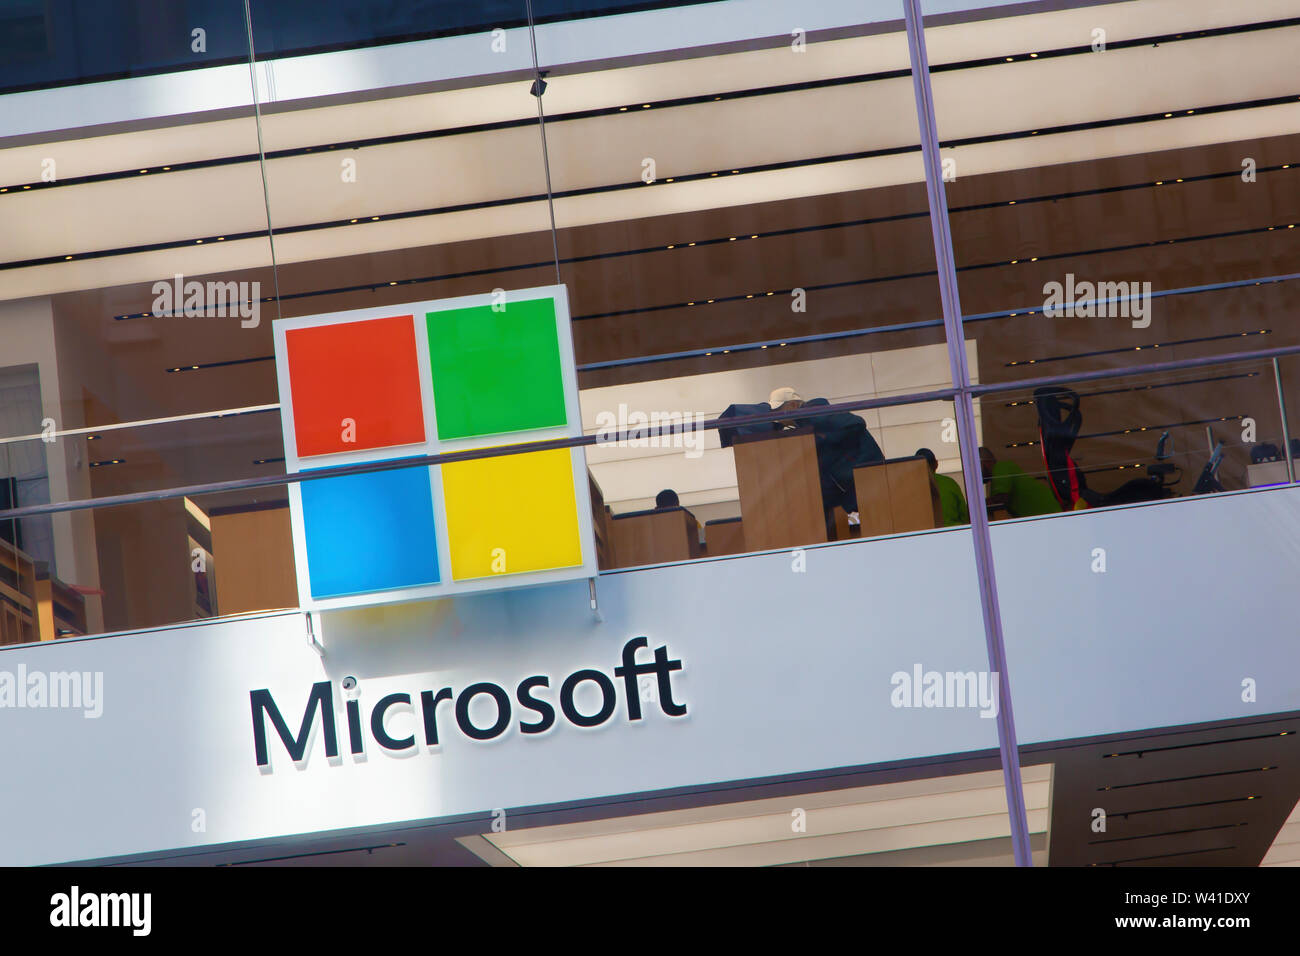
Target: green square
496, 372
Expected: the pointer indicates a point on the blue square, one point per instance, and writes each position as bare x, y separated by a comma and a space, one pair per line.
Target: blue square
371, 532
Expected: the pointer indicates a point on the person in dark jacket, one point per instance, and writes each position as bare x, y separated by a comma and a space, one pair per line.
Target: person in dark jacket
843, 442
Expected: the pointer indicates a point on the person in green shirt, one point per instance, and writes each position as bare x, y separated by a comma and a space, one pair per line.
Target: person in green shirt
951, 500
1016, 491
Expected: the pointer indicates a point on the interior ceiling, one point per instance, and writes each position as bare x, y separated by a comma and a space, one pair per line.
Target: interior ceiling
1211, 795
908, 821
481, 145
706, 261
1285, 850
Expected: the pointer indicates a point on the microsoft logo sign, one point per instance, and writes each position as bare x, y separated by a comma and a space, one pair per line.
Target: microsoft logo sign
422, 379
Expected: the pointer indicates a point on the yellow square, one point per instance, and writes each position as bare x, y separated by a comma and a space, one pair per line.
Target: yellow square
512, 514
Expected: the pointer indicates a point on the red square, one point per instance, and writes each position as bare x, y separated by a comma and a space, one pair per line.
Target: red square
355, 385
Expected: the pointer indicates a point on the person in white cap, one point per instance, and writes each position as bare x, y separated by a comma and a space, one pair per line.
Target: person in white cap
842, 440
785, 398
782, 395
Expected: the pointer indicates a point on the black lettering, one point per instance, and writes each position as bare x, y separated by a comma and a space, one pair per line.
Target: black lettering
429, 707
503, 711
664, 668
377, 723
630, 670
607, 692
354, 726
526, 699
322, 698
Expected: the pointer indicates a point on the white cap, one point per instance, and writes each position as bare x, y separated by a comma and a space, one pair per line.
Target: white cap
782, 395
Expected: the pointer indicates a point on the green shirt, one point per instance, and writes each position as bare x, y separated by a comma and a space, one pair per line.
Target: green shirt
1027, 496
952, 501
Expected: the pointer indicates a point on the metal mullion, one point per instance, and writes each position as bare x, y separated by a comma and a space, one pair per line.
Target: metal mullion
965, 410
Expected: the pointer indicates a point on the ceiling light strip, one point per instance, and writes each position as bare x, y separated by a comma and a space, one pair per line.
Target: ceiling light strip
1136, 348
1144, 388
615, 187
96, 429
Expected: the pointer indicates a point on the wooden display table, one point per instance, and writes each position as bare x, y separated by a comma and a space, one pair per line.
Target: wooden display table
896, 496
724, 536
780, 489
655, 537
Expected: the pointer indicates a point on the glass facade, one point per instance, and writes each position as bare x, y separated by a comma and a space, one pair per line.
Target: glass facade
735, 201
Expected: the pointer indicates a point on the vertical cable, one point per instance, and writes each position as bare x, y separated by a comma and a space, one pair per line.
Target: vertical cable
1286, 428
541, 125
261, 156
965, 409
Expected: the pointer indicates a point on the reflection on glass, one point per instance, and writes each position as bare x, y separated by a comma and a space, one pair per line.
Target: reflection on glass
1151, 219
1128, 440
